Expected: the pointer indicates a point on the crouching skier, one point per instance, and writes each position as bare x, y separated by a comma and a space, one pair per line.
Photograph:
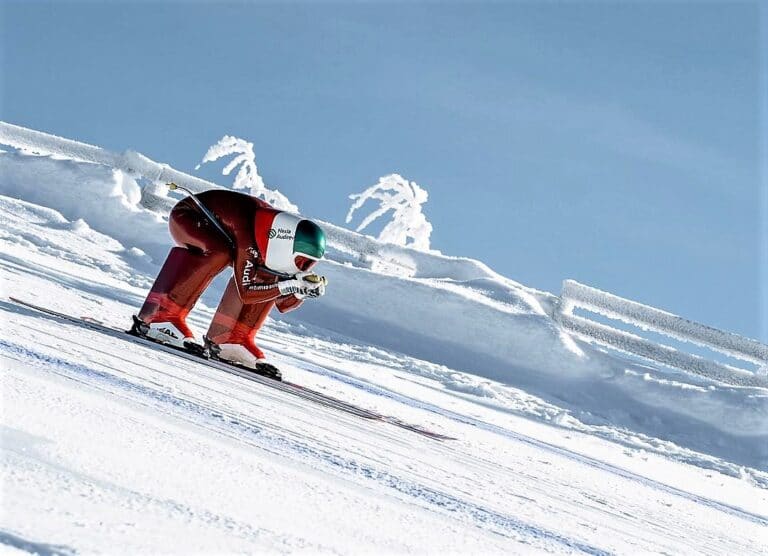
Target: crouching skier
271, 252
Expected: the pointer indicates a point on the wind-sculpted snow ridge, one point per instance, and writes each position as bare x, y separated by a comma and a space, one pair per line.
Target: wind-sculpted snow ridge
107, 199
130, 162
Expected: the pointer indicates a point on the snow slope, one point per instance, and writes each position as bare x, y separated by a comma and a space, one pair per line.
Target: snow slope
108, 447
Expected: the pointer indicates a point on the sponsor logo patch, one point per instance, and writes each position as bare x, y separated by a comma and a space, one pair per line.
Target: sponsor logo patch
280, 233
247, 273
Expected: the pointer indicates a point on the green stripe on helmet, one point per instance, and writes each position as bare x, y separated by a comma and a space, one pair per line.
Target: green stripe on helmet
309, 240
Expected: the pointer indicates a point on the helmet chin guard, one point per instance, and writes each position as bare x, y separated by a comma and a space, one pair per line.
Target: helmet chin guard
290, 236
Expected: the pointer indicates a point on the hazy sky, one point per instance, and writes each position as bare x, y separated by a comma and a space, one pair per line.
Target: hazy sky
615, 143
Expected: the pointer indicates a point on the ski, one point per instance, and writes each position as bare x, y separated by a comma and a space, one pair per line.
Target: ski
265, 380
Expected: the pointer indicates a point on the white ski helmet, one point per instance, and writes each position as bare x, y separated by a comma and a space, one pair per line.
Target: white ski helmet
288, 242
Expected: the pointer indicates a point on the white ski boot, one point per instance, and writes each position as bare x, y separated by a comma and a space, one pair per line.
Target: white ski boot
166, 333
247, 356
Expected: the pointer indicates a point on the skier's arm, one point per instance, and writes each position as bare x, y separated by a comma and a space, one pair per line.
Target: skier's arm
249, 287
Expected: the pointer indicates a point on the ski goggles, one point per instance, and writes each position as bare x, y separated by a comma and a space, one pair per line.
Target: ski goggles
304, 263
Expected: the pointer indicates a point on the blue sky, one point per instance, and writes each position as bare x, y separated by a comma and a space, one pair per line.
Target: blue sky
618, 144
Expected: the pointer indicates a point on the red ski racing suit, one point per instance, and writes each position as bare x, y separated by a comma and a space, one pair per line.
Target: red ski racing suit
203, 251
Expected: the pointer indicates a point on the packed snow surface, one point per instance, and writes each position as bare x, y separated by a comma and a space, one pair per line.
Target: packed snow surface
109, 447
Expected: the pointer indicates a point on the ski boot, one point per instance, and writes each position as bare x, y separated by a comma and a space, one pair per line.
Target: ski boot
231, 335
244, 355
175, 334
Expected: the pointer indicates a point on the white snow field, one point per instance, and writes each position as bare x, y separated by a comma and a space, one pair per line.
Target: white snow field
110, 447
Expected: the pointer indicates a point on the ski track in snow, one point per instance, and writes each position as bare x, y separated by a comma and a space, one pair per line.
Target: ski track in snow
268, 436
110, 444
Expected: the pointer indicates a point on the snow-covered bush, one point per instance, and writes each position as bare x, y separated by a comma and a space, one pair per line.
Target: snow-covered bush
248, 175
404, 198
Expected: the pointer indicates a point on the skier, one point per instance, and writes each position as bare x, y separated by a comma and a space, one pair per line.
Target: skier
271, 252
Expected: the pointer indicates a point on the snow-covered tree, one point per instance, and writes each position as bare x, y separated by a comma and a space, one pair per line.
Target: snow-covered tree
248, 174
404, 198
